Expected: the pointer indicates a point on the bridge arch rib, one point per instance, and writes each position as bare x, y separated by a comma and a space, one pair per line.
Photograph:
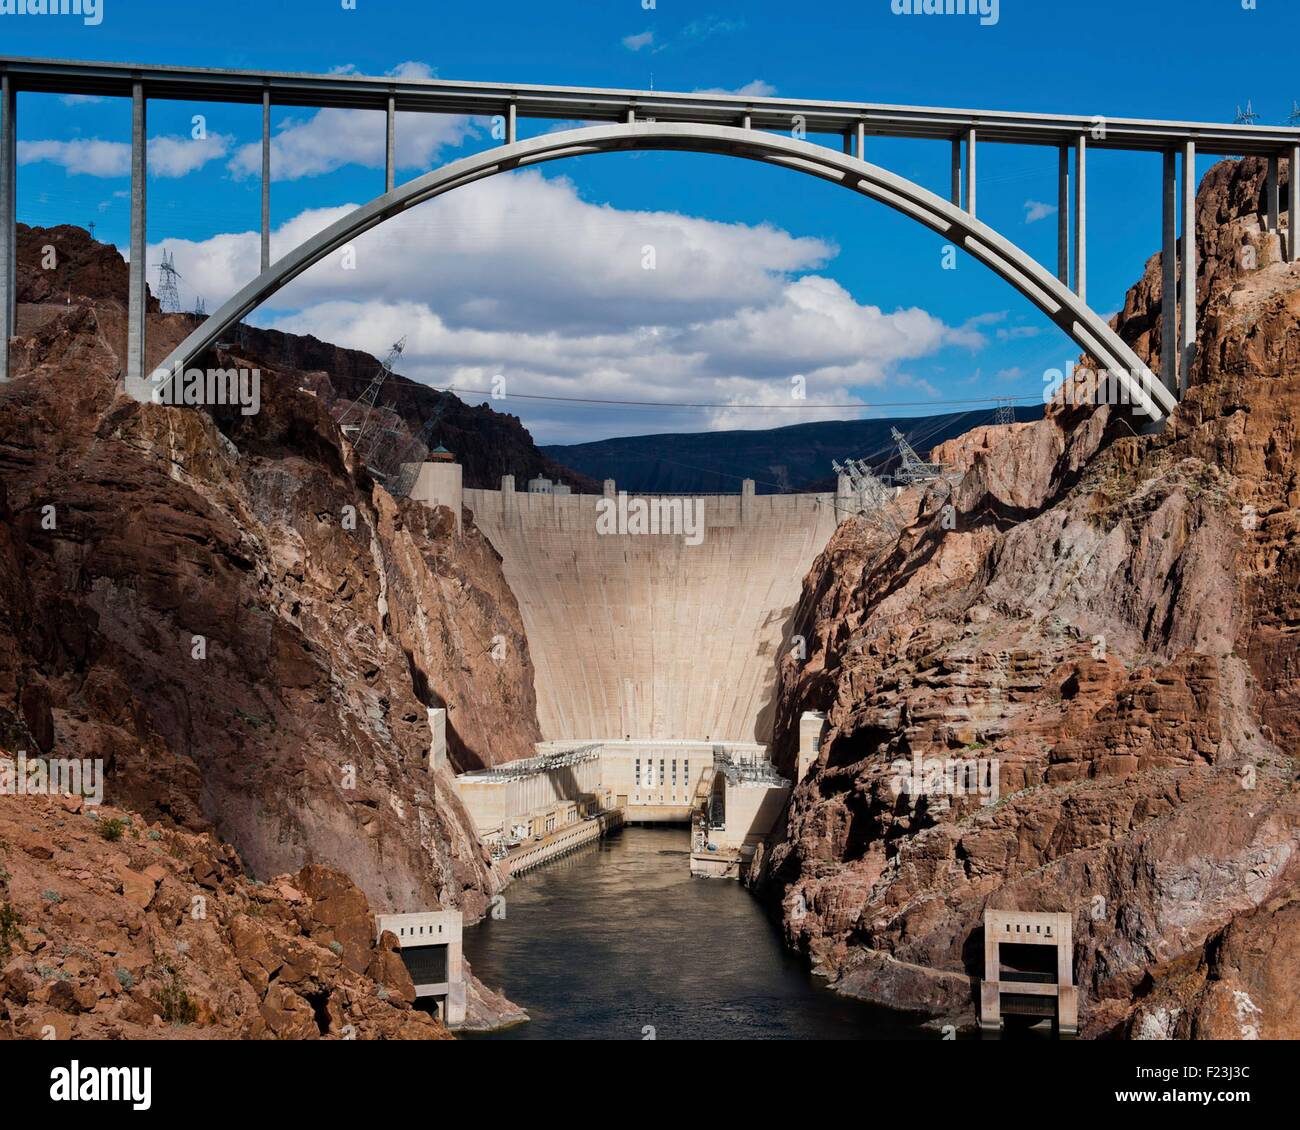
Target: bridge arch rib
1072, 315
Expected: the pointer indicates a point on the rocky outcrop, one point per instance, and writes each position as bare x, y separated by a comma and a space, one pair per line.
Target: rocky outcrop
114, 928
1092, 638
61, 264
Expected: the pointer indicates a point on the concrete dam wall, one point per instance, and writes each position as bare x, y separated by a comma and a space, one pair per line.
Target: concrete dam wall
646, 636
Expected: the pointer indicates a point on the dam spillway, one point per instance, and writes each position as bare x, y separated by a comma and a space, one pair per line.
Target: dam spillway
646, 636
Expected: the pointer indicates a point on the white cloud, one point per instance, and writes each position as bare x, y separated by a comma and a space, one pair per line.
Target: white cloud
331, 138
180, 156
527, 249
756, 88
88, 156
521, 276
636, 42
80, 99
167, 156
1036, 210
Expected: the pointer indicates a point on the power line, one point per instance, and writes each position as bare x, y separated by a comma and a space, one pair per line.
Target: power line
800, 407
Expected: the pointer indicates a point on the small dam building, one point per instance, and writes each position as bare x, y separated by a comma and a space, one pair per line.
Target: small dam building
1028, 971
431, 950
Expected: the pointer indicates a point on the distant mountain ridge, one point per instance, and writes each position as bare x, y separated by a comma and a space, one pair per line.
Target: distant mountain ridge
796, 457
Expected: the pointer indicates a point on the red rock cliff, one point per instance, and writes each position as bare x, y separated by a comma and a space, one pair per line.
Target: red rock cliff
1114, 625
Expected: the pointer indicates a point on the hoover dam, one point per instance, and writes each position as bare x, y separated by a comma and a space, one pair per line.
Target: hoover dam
647, 637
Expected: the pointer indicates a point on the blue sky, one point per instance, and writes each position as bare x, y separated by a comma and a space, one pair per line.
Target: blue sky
762, 274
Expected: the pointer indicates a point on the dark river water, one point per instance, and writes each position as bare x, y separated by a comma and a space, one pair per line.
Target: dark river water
619, 939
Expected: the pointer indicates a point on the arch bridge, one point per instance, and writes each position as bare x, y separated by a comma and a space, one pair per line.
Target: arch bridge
770, 130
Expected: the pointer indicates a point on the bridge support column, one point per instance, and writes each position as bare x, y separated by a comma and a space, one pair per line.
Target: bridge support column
861, 137
390, 140
1272, 196
1169, 276
956, 171
512, 124
1081, 217
1188, 339
1063, 215
970, 171
266, 179
8, 221
137, 385
1293, 207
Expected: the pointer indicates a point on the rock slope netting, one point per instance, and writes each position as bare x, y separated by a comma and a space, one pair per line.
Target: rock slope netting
1113, 623
248, 632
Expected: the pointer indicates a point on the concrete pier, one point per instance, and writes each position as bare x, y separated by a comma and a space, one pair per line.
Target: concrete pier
431, 950
1028, 970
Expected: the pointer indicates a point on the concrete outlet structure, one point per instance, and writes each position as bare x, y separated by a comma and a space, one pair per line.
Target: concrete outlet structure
811, 725
431, 951
1028, 970
438, 483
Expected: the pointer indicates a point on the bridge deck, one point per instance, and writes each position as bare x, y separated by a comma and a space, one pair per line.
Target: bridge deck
610, 105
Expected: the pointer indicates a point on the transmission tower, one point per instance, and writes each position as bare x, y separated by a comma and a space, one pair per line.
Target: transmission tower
914, 469
1246, 117
1006, 412
417, 450
90, 227
169, 299
873, 501
360, 420
200, 308
1293, 119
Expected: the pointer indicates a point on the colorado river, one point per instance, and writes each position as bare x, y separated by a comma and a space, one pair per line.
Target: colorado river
618, 942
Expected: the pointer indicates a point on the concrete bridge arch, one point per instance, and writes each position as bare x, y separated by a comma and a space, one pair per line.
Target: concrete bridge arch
1065, 308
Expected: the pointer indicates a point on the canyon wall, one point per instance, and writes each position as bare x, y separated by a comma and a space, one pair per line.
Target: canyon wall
228, 612
1115, 623
646, 636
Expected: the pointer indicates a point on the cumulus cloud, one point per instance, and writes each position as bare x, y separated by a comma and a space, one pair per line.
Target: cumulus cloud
331, 138
528, 249
641, 39
167, 156
524, 278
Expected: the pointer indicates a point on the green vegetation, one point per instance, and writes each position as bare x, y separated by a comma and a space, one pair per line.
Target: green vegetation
112, 829
177, 1008
8, 929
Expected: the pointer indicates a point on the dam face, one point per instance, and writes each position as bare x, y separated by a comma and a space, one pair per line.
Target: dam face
644, 636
